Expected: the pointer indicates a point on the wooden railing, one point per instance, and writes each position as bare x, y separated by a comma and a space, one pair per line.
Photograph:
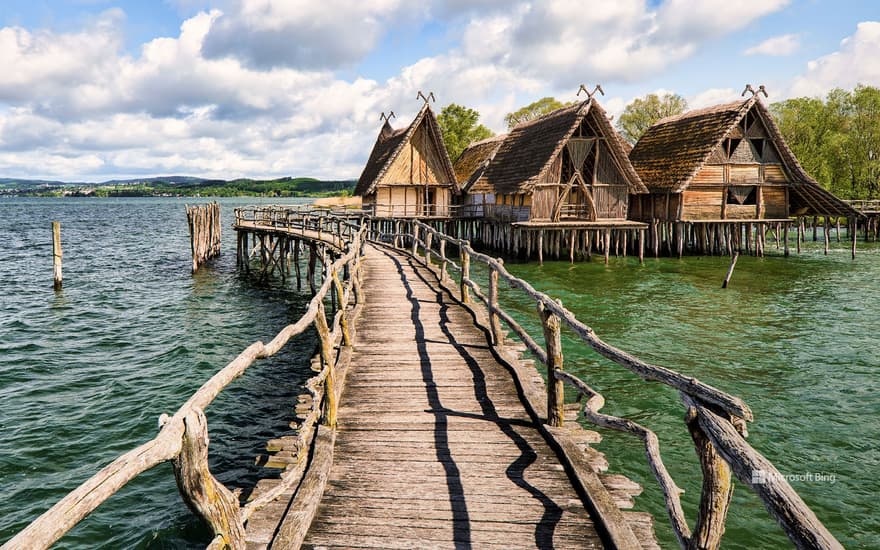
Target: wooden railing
183, 437
715, 419
872, 205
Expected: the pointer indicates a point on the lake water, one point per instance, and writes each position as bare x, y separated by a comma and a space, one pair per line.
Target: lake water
85, 373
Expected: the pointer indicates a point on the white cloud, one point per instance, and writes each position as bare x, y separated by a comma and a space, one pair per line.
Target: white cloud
300, 33
714, 96
856, 62
250, 90
785, 44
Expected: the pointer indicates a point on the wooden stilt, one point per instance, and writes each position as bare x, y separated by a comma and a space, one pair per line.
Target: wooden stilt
56, 255
827, 229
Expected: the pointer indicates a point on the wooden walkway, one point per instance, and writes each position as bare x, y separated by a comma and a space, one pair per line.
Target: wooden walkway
434, 447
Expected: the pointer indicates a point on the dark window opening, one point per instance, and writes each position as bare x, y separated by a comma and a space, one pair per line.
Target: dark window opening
730, 145
758, 144
742, 194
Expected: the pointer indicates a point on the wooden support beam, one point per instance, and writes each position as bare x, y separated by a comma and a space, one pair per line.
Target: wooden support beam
56, 255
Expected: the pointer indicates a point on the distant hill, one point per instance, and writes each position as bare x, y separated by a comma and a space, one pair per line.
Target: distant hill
180, 186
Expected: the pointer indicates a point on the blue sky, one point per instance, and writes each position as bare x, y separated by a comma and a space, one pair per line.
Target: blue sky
100, 89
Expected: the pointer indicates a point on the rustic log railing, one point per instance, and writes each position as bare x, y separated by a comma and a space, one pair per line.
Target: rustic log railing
715, 419
183, 437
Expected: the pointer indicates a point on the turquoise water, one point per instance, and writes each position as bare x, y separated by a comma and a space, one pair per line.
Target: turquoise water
85, 373
796, 338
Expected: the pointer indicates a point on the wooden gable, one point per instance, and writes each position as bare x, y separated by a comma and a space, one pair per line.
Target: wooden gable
418, 163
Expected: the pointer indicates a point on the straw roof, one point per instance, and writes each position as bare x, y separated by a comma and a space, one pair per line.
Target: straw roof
391, 142
524, 157
672, 151
473, 161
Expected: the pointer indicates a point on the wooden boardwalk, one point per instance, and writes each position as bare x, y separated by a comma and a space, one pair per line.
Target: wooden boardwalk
434, 447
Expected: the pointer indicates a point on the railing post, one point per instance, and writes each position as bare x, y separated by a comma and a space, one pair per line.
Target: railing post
716, 492
555, 391
465, 275
443, 274
330, 405
494, 321
203, 494
343, 319
428, 237
415, 238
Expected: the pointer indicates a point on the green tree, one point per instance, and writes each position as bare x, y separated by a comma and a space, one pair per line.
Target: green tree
643, 113
533, 110
836, 140
460, 128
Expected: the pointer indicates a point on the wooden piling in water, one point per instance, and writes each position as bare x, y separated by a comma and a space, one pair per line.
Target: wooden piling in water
204, 232
56, 255
730, 270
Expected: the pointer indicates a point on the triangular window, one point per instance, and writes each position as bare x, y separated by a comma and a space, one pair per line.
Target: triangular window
742, 194
758, 145
730, 145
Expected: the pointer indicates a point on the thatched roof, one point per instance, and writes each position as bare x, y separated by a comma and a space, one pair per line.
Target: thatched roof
672, 151
473, 161
526, 154
391, 142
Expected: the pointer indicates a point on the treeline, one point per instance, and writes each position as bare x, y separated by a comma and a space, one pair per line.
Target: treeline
836, 139
281, 187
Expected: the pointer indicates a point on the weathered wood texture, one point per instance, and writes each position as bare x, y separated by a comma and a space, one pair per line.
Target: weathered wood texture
56, 255
204, 232
434, 448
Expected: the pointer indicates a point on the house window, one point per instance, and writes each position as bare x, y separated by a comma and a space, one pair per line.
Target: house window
742, 194
730, 145
758, 144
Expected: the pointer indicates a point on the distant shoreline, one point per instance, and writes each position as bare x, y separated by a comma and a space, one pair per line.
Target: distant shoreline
182, 186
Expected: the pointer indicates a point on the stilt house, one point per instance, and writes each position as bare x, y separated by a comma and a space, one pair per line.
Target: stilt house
727, 162
409, 173
469, 168
570, 164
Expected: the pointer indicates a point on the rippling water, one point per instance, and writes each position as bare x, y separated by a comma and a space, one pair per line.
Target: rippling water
85, 373
796, 338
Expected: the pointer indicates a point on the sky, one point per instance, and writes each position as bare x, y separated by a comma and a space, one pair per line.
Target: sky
92, 90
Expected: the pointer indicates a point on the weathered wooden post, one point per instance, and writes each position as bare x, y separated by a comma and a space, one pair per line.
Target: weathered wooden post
428, 237
56, 255
641, 246
203, 494
540, 247
827, 230
855, 235
555, 390
343, 319
730, 270
465, 275
415, 238
443, 260
785, 238
494, 322
716, 492
330, 406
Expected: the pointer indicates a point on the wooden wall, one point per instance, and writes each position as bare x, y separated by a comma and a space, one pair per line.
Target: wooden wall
418, 162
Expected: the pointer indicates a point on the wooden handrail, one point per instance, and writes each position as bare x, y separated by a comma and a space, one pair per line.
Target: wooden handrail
182, 438
717, 420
